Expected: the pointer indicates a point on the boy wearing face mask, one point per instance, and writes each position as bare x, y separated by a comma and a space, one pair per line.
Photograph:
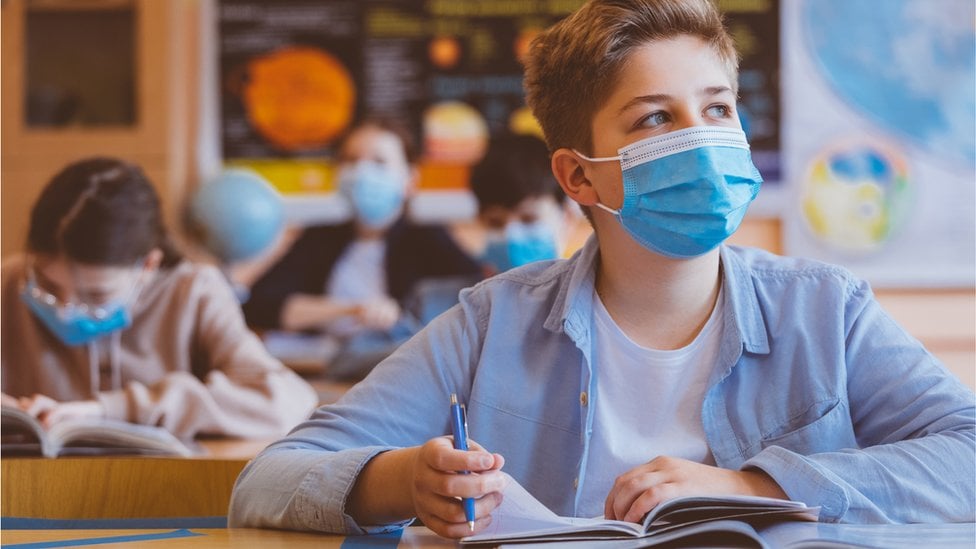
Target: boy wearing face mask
656, 362
350, 279
520, 204
102, 317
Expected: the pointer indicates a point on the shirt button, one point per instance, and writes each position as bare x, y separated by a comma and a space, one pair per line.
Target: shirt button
584, 399
575, 483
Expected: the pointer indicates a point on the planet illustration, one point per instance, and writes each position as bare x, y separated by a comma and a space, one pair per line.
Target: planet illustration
454, 133
298, 98
856, 196
444, 52
522, 122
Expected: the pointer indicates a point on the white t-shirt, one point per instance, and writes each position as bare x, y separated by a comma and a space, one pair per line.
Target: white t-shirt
358, 275
648, 403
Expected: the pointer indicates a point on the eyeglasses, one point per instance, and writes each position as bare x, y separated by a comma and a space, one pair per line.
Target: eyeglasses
98, 311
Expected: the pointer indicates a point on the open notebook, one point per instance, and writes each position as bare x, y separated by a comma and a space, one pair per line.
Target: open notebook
522, 518
24, 435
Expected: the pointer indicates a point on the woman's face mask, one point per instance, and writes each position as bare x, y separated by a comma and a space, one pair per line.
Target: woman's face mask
377, 193
80, 304
687, 191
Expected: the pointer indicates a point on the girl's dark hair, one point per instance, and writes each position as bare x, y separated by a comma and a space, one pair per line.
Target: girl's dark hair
100, 211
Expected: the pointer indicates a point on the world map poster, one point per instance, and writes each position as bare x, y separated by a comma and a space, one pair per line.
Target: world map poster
880, 138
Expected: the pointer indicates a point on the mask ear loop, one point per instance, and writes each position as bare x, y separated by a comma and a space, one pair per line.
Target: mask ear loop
140, 283
617, 158
94, 378
115, 360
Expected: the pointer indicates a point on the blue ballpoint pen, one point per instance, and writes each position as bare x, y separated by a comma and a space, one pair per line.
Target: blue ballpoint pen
459, 427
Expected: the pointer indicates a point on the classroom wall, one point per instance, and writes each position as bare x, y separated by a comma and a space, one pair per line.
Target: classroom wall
161, 138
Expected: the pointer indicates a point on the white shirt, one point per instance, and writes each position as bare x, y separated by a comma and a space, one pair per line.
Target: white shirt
358, 275
648, 403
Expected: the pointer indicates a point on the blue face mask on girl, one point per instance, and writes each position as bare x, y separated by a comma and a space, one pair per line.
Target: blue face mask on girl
687, 191
75, 324
376, 193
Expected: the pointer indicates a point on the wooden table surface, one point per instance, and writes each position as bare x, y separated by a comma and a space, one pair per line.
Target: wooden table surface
413, 538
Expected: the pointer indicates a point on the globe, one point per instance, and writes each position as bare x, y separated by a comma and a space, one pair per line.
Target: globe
236, 216
856, 196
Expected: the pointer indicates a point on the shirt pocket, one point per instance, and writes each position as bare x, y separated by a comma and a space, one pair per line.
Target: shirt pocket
824, 426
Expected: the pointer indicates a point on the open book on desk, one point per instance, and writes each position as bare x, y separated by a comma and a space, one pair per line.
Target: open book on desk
22, 435
521, 518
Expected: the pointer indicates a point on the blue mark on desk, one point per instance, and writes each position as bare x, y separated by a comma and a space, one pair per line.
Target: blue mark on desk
388, 540
183, 533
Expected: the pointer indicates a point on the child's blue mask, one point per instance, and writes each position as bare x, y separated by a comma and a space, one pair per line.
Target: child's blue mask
521, 244
687, 191
75, 324
376, 193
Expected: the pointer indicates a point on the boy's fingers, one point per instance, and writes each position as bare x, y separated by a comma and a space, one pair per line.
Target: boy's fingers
445, 458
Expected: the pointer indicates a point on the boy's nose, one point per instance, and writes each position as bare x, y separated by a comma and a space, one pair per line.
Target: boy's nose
688, 117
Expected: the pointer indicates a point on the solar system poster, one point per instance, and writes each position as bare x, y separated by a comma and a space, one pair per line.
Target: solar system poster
296, 74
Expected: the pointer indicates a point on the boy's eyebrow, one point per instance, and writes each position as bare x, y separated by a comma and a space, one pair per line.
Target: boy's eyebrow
653, 98
664, 98
716, 90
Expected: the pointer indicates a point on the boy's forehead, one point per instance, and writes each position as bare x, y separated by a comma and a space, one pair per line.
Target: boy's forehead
673, 67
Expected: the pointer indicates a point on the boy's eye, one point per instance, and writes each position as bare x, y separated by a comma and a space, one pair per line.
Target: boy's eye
654, 119
719, 111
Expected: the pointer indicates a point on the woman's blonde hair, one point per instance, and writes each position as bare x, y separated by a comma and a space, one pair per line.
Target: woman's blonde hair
573, 66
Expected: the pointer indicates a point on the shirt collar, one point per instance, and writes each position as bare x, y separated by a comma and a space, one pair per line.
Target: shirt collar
572, 308
741, 298
574, 299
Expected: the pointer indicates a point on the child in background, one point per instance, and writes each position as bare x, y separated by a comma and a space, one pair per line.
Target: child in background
350, 279
656, 362
103, 318
520, 204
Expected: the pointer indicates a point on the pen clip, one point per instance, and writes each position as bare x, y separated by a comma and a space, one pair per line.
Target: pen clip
464, 419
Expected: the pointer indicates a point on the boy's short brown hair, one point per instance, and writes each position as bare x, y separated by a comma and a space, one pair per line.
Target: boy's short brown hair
573, 66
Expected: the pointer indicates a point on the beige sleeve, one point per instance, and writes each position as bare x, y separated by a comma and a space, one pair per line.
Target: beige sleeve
246, 392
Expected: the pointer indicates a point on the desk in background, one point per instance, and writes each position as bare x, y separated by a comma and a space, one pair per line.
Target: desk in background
413, 537
125, 487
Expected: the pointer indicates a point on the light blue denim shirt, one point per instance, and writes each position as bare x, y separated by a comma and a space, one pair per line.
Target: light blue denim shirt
816, 385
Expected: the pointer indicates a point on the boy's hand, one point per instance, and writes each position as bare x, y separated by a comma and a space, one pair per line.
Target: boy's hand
436, 486
641, 489
50, 411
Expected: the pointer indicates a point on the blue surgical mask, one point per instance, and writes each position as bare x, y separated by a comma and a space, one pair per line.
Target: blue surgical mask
520, 244
687, 191
376, 193
75, 324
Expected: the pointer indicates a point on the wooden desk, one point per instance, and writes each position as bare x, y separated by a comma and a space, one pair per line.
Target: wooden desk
413, 537
943, 536
125, 487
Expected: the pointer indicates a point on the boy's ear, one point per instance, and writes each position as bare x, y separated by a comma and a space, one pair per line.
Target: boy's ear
571, 175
